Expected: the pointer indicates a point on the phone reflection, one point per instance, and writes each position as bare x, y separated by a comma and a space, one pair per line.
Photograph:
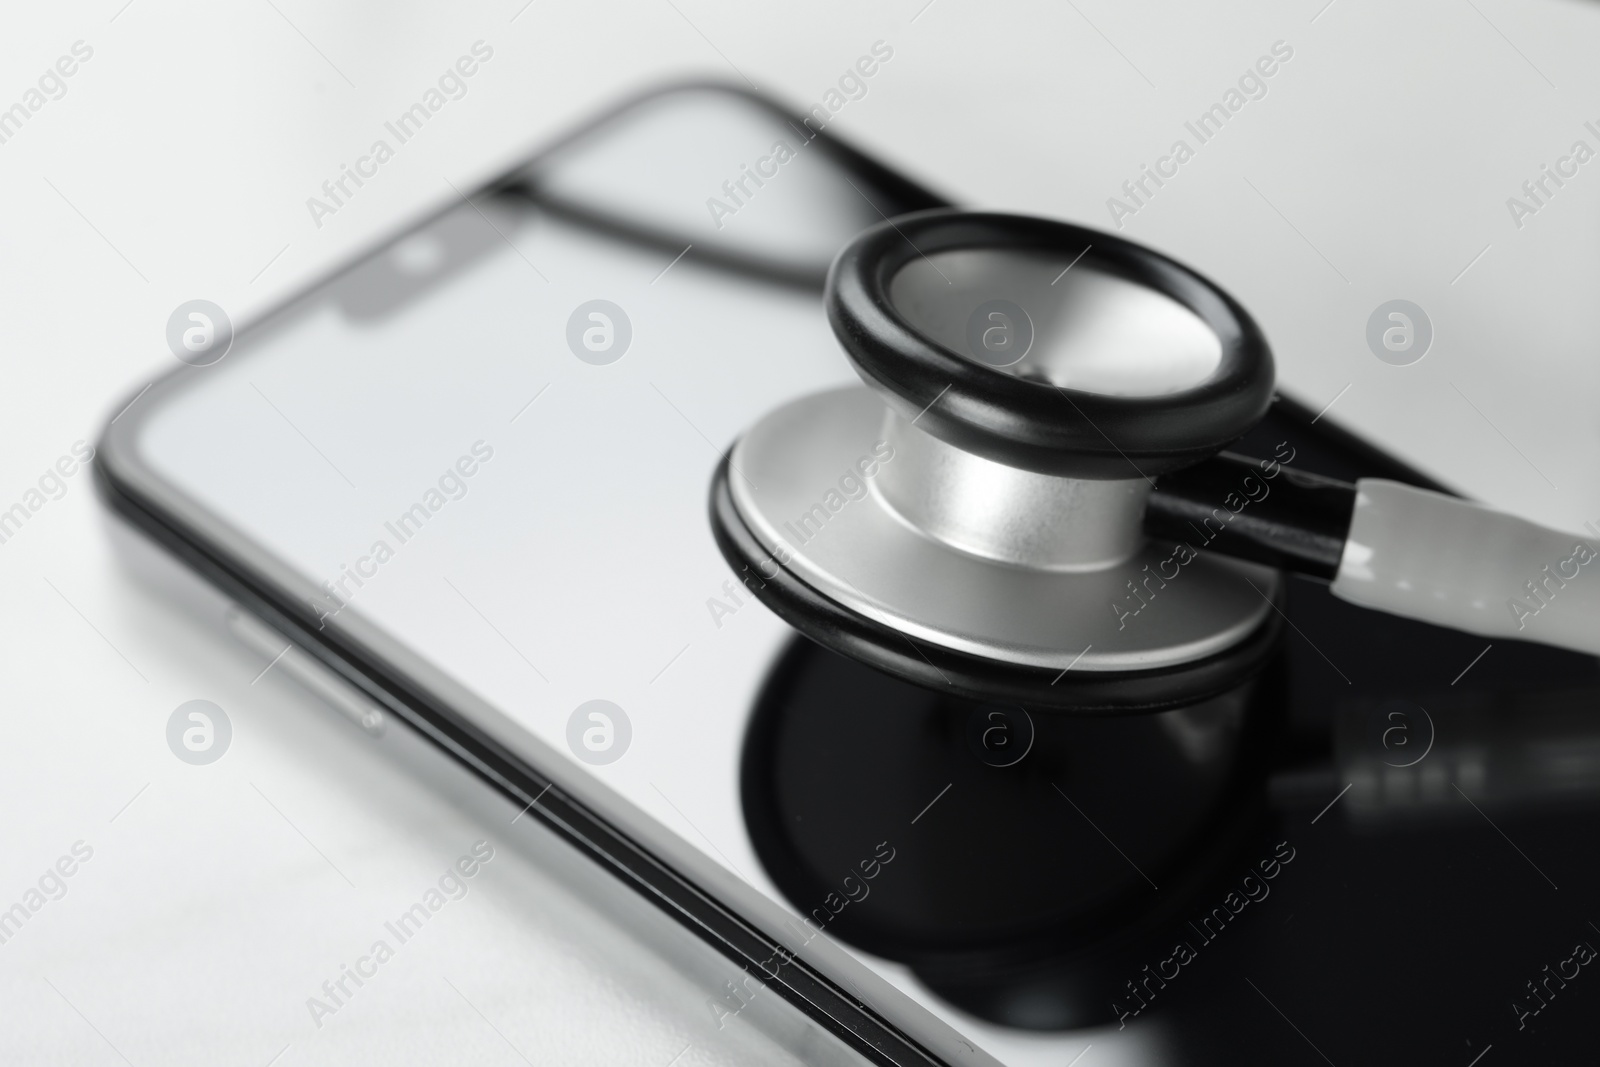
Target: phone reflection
1052, 872
1026, 866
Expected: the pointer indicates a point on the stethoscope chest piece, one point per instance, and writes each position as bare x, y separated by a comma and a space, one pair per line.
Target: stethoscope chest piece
971, 520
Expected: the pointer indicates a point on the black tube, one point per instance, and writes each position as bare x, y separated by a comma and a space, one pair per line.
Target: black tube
1257, 510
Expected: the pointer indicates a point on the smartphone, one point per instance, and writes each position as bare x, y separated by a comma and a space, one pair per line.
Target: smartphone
466, 479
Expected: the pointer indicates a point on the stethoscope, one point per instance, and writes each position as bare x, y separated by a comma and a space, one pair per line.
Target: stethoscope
1031, 501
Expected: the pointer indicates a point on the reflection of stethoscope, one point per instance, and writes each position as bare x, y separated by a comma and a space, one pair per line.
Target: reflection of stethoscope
1045, 512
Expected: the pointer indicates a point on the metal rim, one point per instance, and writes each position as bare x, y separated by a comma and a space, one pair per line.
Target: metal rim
836, 627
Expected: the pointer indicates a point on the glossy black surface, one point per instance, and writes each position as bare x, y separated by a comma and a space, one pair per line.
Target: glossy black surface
1003, 893
1426, 805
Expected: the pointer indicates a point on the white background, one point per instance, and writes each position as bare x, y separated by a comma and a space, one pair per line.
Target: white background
178, 163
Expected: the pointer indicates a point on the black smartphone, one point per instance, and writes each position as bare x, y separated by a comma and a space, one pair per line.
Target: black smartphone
467, 478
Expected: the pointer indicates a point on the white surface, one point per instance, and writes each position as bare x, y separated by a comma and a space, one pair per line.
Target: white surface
191, 140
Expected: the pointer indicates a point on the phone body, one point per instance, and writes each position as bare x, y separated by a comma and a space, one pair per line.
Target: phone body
467, 476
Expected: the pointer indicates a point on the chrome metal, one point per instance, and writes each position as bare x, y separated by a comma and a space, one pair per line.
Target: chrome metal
1003, 513
812, 478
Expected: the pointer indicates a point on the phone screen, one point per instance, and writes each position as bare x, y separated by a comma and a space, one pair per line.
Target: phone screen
483, 454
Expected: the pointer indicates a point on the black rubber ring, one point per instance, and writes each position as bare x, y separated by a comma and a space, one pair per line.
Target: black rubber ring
1029, 424
963, 674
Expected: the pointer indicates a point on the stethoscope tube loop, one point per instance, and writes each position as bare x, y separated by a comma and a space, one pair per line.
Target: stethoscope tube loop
1260, 510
